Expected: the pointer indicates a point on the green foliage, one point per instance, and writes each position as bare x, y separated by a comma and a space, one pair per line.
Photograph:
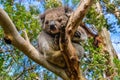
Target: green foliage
94, 18
1, 32
95, 61
1, 63
116, 2
75, 2
110, 7
106, 1
48, 75
52, 3
117, 78
117, 64
24, 19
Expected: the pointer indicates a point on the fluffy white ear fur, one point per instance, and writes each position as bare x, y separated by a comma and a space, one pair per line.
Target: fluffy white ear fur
42, 18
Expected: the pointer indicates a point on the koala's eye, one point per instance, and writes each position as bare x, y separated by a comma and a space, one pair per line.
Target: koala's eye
46, 22
59, 20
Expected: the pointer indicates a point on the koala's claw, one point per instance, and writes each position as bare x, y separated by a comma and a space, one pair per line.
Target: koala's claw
77, 34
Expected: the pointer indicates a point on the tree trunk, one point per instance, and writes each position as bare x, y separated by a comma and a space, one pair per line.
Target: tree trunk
108, 49
69, 53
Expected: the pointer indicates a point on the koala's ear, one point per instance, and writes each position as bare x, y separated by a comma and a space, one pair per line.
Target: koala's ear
42, 18
68, 11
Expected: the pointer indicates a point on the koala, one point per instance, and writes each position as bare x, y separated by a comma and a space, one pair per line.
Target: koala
48, 41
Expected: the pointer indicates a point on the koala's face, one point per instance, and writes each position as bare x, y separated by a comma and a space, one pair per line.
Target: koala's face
53, 20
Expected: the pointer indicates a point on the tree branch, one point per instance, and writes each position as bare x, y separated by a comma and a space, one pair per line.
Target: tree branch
23, 45
77, 17
67, 49
28, 69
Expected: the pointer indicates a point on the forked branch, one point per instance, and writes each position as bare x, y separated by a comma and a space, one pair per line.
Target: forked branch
68, 51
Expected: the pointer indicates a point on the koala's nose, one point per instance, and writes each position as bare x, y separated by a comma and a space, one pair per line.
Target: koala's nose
52, 25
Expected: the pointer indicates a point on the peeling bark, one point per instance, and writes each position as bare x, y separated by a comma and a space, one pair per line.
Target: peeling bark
108, 49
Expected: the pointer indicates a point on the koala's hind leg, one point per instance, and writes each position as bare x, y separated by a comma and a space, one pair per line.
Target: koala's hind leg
56, 58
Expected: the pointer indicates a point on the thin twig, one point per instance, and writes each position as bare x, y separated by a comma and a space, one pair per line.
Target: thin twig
28, 69
26, 36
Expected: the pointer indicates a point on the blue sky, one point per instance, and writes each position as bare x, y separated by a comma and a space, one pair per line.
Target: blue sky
115, 35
